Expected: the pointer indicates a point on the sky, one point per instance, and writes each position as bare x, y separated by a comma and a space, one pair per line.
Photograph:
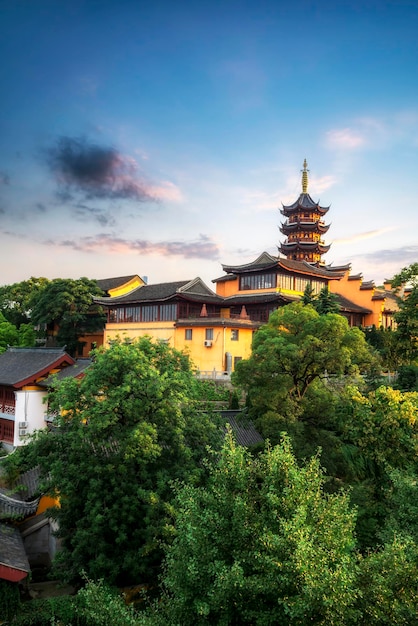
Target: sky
162, 138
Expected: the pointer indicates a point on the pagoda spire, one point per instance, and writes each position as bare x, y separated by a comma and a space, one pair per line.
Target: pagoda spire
305, 177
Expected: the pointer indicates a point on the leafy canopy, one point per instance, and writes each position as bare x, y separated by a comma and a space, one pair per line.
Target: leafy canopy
261, 544
127, 430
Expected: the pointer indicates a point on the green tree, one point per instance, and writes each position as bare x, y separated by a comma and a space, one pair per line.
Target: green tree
407, 316
127, 430
295, 349
261, 544
9, 335
378, 433
68, 305
326, 302
16, 300
308, 295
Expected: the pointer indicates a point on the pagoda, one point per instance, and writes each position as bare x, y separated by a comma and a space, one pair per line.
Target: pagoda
304, 227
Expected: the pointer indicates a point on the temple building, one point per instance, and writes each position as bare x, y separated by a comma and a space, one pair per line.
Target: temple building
304, 227
216, 327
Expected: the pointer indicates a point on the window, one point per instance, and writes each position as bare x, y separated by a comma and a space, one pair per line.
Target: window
209, 334
257, 281
188, 334
285, 281
234, 334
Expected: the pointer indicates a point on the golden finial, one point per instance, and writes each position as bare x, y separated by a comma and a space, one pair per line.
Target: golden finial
305, 177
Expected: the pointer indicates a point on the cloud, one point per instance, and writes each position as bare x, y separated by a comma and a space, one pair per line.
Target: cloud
203, 248
345, 139
96, 172
370, 234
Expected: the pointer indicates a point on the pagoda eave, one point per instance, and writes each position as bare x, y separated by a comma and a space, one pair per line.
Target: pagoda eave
287, 229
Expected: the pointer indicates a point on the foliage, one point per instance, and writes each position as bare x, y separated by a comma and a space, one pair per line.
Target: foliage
378, 433
388, 580
386, 342
407, 316
9, 600
407, 379
308, 295
127, 430
261, 544
100, 605
94, 605
16, 300
9, 335
296, 348
68, 304
326, 302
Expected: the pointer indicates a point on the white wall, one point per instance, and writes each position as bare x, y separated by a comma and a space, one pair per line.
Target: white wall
30, 408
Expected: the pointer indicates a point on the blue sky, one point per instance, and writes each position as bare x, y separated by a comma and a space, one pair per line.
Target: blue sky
161, 138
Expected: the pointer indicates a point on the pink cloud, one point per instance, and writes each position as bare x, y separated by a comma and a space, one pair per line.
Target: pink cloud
345, 139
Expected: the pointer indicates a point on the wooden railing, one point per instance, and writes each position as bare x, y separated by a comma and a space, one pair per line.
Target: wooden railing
7, 428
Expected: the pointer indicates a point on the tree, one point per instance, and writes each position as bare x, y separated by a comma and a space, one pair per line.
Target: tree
261, 544
308, 295
378, 434
326, 302
68, 305
9, 335
407, 316
16, 300
295, 349
126, 431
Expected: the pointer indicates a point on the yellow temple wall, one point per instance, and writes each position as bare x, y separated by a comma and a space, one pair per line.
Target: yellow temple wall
204, 358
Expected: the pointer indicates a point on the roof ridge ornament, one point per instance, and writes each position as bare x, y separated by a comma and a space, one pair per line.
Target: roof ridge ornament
305, 177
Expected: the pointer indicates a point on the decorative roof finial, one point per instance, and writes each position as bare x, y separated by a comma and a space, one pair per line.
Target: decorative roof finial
305, 177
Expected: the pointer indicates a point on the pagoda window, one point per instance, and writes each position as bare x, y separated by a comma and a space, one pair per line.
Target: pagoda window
257, 281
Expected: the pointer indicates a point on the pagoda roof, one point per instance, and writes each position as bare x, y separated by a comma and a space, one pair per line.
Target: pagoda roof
311, 246
22, 366
309, 226
262, 262
266, 261
194, 289
302, 203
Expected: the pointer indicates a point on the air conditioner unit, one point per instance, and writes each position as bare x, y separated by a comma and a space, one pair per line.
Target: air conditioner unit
23, 424
208, 343
22, 432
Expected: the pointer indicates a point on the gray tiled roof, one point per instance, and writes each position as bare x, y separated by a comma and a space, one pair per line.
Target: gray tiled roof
12, 551
193, 289
265, 261
21, 364
72, 371
19, 501
243, 429
349, 306
111, 283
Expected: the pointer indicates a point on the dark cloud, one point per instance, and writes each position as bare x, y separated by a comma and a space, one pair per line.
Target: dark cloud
84, 212
95, 171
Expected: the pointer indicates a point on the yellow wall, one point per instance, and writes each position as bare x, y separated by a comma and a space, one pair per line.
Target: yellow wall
203, 358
